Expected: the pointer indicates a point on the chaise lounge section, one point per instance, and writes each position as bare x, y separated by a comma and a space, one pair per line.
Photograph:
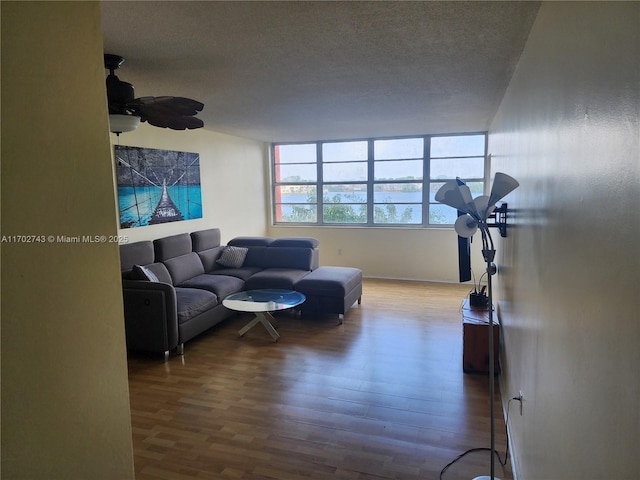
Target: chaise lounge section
331, 290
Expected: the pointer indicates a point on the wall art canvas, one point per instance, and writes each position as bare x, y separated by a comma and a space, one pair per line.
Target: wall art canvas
157, 186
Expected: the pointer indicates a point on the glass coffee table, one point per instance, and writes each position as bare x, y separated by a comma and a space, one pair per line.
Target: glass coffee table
261, 303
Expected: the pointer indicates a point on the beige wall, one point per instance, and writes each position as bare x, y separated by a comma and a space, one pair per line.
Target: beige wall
568, 130
65, 399
409, 254
235, 189
233, 175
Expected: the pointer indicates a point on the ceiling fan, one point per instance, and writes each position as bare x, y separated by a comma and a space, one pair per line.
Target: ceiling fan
126, 112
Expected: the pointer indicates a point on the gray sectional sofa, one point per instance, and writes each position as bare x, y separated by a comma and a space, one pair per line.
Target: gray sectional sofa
173, 286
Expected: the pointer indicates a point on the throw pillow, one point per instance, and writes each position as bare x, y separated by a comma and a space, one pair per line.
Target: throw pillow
232, 257
140, 272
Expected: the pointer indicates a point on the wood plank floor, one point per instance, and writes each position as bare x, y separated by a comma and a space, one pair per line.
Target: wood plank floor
382, 396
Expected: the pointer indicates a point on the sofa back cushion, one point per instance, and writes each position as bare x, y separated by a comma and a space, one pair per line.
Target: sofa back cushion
257, 249
184, 267
209, 257
172, 246
303, 251
161, 272
299, 253
301, 242
251, 241
289, 257
205, 239
256, 257
137, 253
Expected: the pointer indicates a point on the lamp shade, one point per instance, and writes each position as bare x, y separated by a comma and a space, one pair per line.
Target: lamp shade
482, 206
466, 226
503, 184
456, 194
123, 123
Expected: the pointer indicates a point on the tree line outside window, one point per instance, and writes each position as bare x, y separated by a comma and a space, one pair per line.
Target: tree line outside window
374, 182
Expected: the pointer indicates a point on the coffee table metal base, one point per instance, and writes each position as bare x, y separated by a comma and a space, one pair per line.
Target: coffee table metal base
265, 319
261, 303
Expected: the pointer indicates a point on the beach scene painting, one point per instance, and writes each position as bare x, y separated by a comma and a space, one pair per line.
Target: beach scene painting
157, 186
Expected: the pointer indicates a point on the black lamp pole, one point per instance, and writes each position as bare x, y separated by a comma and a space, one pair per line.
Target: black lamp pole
489, 253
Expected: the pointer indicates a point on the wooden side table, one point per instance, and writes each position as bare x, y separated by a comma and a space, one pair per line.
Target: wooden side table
475, 340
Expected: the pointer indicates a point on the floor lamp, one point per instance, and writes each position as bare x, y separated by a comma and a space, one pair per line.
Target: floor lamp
477, 211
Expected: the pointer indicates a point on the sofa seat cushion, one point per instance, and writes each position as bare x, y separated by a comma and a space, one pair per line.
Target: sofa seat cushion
221, 285
193, 301
243, 272
330, 281
284, 278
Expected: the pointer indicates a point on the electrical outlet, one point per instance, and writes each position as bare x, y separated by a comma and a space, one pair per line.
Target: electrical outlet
520, 398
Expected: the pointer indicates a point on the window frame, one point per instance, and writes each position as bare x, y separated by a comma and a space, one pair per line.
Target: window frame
370, 182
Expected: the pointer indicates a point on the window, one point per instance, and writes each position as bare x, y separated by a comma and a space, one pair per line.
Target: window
451, 157
344, 173
373, 182
398, 167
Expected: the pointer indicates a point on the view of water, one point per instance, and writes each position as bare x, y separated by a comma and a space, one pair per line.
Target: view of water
402, 201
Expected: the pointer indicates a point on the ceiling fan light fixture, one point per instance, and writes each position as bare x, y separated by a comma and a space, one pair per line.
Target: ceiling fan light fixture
119, 123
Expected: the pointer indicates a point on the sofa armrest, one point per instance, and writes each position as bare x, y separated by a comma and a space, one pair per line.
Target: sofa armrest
150, 315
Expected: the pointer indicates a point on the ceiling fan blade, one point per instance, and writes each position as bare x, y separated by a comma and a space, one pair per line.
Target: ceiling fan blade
178, 105
174, 123
176, 113
185, 123
181, 105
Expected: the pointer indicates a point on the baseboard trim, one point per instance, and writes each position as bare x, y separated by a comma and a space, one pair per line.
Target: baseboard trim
424, 280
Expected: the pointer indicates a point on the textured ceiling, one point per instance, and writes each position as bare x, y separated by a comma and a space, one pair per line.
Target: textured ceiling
293, 71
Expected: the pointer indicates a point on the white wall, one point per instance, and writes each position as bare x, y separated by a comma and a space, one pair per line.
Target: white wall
65, 396
568, 130
233, 175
